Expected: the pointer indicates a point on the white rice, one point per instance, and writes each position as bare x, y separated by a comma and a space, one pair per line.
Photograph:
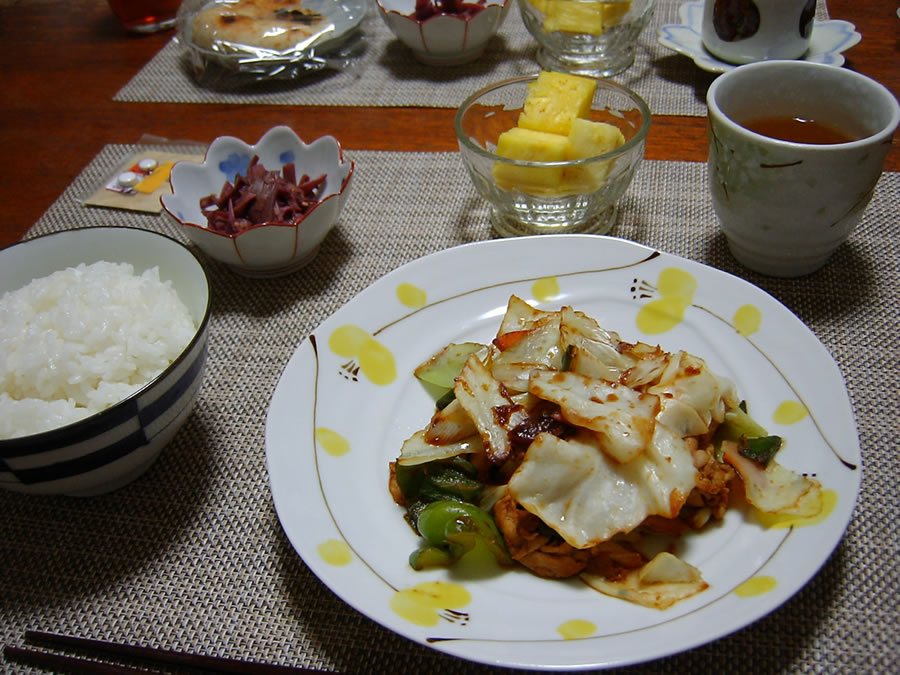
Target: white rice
82, 339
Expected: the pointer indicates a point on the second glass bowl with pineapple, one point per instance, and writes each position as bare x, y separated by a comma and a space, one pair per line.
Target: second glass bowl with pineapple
552, 153
586, 37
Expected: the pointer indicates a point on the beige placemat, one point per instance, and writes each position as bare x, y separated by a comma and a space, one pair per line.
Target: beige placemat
387, 75
191, 556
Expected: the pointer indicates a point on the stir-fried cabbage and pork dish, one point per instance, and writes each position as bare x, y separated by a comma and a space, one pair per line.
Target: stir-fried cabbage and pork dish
565, 449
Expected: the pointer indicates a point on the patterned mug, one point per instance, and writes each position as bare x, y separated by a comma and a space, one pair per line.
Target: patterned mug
744, 31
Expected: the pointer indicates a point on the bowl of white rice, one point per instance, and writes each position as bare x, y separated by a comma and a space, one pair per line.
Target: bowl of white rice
103, 334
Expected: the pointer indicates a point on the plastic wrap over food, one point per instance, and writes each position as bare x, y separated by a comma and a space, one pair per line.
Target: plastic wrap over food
234, 42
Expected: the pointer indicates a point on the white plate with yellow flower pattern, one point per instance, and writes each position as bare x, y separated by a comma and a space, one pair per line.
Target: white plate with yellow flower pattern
347, 400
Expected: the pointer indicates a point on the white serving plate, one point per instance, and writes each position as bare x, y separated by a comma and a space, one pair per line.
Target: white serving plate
337, 419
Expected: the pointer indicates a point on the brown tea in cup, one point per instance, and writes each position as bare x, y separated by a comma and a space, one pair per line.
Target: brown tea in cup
799, 130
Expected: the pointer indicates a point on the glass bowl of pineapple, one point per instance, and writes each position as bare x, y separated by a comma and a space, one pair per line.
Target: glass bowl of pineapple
553, 152
586, 37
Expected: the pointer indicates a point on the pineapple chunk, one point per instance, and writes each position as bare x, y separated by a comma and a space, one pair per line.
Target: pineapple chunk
594, 18
540, 5
570, 16
588, 139
532, 146
554, 100
613, 12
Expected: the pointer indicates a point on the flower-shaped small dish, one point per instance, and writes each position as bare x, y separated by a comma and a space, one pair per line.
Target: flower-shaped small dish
440, 37
828, 40
268, 249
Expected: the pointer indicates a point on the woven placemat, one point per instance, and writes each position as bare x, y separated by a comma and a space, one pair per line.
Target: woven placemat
387, 75
191, 556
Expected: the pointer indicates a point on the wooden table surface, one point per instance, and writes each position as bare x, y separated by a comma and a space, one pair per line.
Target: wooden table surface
64, 60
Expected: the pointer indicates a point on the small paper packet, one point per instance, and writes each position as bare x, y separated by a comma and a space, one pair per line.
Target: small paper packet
139, 181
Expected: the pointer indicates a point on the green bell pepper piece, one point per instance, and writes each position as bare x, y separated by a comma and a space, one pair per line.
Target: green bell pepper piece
455, 528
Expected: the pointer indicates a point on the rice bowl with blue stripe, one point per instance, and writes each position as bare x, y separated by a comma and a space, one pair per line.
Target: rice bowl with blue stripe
110, 447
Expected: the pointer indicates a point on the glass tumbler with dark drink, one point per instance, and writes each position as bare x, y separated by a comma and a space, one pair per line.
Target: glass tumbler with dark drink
145, 16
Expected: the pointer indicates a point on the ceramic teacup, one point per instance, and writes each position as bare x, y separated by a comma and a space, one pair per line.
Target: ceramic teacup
744, 31
786, 205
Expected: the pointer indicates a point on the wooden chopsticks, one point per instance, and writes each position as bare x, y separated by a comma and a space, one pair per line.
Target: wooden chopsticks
65, 663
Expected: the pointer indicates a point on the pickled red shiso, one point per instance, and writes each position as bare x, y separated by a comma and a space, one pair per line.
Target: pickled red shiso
262, 197
425, 9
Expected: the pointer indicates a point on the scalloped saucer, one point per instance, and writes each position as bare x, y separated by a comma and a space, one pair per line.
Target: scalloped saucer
829, 39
